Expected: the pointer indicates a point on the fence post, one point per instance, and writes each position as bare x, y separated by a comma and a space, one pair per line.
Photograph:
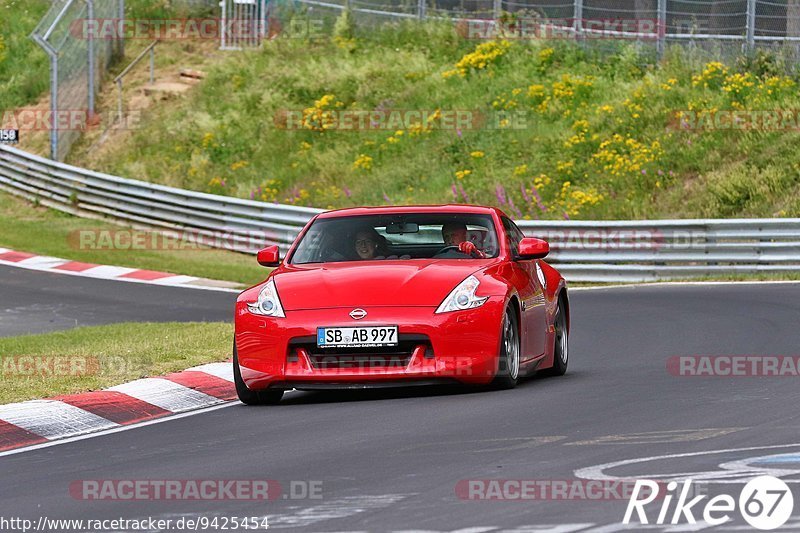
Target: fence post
90, 61
121, 16
751, 25
497, 10
422, 7
262, 21
661, 27
53, 106
223, 22
577, 15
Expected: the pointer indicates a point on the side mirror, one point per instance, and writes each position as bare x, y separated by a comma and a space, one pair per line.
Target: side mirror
269, 256
531, 248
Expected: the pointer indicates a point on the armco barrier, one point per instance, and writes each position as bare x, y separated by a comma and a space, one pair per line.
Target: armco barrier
594, 251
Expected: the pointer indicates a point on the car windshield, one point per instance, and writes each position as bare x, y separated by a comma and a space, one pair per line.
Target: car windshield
403, 237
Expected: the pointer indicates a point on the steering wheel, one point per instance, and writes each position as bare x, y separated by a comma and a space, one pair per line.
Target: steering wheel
447, 249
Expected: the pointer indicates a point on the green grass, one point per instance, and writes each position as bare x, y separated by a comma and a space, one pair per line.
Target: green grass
591, 138
24, 66
96, 357
39, 230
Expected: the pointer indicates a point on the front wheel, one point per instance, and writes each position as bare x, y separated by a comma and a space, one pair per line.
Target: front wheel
508, 371
252, 397
561, 344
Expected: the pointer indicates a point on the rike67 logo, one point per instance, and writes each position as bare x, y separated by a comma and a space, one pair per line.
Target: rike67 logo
765, 503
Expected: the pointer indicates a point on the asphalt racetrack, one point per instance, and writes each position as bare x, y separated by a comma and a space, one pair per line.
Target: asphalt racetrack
388, 460
37, 302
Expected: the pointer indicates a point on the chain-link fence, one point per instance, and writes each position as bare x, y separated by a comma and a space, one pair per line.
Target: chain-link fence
77, 64
720, 26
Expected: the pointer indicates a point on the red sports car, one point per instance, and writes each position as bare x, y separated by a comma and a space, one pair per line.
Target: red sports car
395, 296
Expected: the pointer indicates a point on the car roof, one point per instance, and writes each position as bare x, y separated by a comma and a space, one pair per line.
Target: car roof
397, 210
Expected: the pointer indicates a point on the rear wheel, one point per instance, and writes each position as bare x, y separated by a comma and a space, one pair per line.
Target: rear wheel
561, 344
252, 397
508, 371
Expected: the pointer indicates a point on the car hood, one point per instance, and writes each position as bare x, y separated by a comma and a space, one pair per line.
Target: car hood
372, 283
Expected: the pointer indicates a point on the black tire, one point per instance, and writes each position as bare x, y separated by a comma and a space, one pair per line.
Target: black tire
561, 343
508, 369
251, 397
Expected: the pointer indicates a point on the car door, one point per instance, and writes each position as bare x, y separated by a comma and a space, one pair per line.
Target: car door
531, 293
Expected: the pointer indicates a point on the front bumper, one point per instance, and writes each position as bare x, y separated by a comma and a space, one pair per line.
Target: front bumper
461, 346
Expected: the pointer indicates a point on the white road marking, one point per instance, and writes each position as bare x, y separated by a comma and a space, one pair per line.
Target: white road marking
107, 271
42, 262
597, 472
40, 268
118, 429
660, 437
52, 419
338, 508
166, 394
220, 370
174, 280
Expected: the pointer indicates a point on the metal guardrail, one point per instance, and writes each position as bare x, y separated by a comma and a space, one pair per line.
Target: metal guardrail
242, 225
593, 251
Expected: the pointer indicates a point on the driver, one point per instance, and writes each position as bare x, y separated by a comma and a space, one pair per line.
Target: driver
455, 234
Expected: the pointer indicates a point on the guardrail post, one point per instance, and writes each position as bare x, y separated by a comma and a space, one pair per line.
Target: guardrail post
751, 25
422, 7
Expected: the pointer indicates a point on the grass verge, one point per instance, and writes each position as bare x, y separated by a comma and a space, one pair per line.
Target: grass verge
550, 129
45, 231
96, 357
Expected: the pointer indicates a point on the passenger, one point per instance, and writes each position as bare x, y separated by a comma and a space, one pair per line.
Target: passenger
369, 244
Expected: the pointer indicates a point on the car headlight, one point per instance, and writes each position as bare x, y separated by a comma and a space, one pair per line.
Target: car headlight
463, 297
268, 303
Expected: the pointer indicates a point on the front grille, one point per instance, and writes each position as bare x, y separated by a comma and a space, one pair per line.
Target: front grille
396, 357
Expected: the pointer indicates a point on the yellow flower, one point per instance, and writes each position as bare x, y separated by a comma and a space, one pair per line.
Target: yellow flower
363, 162
520, 170
477, 154
484, 55
461, 174
239, 164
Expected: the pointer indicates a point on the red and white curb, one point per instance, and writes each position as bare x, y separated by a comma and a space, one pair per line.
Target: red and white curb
40, 421
57, 265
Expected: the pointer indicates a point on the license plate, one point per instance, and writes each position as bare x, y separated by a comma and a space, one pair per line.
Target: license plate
357, 337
